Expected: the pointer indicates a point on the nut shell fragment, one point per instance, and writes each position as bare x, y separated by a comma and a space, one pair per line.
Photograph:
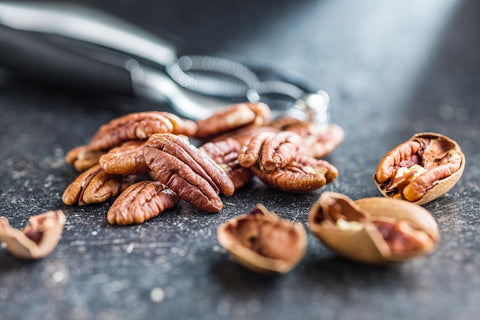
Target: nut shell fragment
373, 230
263, 242
420, 169
38, 239
140, 202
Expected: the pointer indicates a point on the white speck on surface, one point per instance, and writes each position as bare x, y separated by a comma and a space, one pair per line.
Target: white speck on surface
94, 233
130, 248
3, 245
157, 295
58, 276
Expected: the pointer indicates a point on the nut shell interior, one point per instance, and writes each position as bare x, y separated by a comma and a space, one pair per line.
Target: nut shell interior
263, 242
436, 187
38, 239
352, 229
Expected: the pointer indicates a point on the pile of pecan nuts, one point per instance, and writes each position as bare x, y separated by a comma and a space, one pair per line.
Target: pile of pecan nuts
371, 230
147, 159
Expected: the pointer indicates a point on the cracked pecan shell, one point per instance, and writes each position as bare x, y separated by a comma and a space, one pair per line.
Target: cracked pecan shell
140, 202
420, 169
269, 150
95, 186
373, 230
138, 126
125, 160
233, 117
189, 172
303, 174
38, 239
225, 154
83, 158
263, 242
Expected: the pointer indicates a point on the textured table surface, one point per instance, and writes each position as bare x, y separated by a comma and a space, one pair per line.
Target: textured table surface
391, 70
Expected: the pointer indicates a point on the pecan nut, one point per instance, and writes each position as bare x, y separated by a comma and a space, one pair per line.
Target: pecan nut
233, 117
373, 230
263, 242
140, 202
138, 126
420, 169
269, 150
83, 158
225, 154
189, 172
317, 142
38, 239
95, 186
244, 134
303, 174
125, 160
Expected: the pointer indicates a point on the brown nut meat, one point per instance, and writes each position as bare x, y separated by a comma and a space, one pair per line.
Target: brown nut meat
140, 202
301, 175
269, 150
95, 186
225, 154
420, 169
244, 134
82, 158
317, 142
125, 160
38, 239
263, 242
138, 126
189, 172
373, 230
233, 117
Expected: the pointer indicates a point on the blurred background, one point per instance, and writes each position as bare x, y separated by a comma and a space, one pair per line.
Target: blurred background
391, 69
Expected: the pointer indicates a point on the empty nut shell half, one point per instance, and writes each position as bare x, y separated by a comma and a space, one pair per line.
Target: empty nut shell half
373, 230
263, 242
420, 169
38, 239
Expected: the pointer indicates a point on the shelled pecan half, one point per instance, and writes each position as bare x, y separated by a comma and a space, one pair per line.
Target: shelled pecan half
420, 169
138, 126
140, 202
38, 239
317, 142
125, 160
303, 174
189, 172
95, 186
225, 154
83, 158
269, 150
233, 117
263, 242
373, 230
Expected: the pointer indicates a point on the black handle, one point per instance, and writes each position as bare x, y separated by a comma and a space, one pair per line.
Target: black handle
27, 55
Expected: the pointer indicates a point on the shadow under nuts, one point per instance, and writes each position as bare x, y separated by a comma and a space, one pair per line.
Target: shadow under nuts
420, 169
263, 242
373, 230
38, 239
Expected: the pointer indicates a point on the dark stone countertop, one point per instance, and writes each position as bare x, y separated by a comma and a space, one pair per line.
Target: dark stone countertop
391, 69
